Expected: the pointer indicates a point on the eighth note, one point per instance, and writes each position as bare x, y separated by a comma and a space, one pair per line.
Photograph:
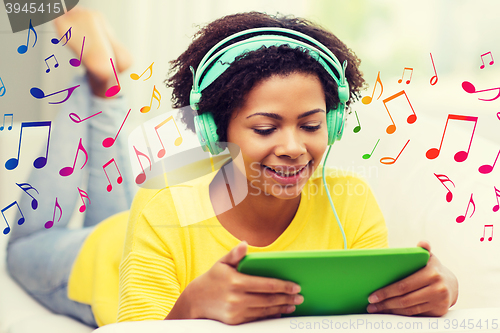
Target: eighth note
141, 178
461, 218
488, 168
55, 66
411, 74
108, 142
469, 87
136, 77
76, 118
24, 48
11, 121
482, 60
50, 223
69, 170
2, 88
38, 93
484, 232
367, 99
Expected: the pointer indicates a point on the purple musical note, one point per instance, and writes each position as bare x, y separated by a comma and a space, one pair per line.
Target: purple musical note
26, 187
19, 222
41, 161
38, 93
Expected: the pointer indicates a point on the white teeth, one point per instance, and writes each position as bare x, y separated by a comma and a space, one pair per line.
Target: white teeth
287, 173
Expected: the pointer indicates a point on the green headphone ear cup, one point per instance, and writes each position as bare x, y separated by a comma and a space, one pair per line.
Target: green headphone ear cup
207, 133
335, 123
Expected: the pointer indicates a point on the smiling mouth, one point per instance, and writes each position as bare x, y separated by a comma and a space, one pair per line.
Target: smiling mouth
287, 171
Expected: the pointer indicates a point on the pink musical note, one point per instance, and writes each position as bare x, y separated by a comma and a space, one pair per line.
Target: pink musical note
38, 93
26, 187
118, 180
497, 194
55, 66
83, 194
411, 118
69, 170
19, 222
11, 121
67, 35
484, 232
157, 96
443, 179
469, 87
41, 161
116, 88
177, 142
49, 224
136, 77
141, 178
484, 169
24, 48
77, 62
76, 118
367, 156
482, 60
461, 218
108, 142
461, 155
391, 160
434, 79
411, 74
498, 115
367, 99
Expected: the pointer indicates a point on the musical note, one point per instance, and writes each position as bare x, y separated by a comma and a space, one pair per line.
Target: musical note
461, 155
177, 142
108, 142
40, 161
443, 179
118, 180
367, 99
83, 194
357, 128
411, 118
69, 170
469, 87
116, 88
77, 62
24, 48
391, 160
26, 187
56, 65
484, 169
76, 118
497, 206
157, 96
67, 35
491, 62
38, 93
3, 90
367, 156
134, 76
461, 218
19, 222
142, 176
498, 115
435, 76
411, 74
49, 224
11, 121
484, 232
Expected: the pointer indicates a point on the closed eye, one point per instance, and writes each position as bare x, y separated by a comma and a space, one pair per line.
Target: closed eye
311, 128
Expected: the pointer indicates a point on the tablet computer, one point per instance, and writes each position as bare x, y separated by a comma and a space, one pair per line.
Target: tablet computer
336, 281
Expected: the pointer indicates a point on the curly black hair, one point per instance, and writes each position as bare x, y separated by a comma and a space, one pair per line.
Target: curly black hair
227, 93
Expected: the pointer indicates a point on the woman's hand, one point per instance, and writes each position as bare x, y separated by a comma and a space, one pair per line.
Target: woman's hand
429, 291
231, 297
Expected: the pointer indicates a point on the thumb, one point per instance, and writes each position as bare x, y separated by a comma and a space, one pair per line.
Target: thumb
235, 255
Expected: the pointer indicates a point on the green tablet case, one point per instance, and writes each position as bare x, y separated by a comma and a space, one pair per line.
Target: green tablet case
336, 281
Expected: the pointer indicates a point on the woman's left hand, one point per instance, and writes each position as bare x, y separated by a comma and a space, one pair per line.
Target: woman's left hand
429, 292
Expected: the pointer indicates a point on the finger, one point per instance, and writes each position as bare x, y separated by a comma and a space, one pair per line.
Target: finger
233, 257
258, 284
270, 300
425, 245
421, 296
411, 311
270, 311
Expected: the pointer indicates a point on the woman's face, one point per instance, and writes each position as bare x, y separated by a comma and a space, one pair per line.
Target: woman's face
281, 131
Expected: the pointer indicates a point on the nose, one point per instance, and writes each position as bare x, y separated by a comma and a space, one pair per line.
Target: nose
290, 144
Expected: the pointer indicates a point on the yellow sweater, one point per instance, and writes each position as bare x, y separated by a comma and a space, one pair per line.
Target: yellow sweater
173, 236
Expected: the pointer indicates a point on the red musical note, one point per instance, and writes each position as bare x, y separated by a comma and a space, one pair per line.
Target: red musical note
484, 232
19, 222
116, 88
482, 60
435, 76
141, 178
118, 180
134, 76
55, 66
38, 93
461, 218
108, 142
77, 62
411, 74
367, 99
411, 118
497, 206
69, 170
157, 96
83, 194
49, 224
40, 161
461, 155
24, 48
67, 35
11, 121
392, 160
443, 179
367, 156
26, 187
484, 169
76, 118
469, 87
177, 142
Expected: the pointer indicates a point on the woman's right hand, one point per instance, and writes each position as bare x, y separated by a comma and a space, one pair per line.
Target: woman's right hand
226, 295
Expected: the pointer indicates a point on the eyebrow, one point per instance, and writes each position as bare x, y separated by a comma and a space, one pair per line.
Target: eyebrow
278, 117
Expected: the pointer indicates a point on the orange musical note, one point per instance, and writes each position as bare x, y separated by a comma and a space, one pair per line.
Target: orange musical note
411, 74
482, 60
141, 178
134, 76
411, 118
461, 218
55, 66
484, 232
77, 62
49, 224
76, 118
177, 142
357, 128
19, 222
26, 187
108, 142
157, 96
484, 169
367, 156
469, 87
497, 206
83, 194
118, 180
434, 79
461, 155
69, 170
116, 88
38, 93
67, 35
391, 160
11, 121
367, 99
41, 161
443, 179
24, 48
